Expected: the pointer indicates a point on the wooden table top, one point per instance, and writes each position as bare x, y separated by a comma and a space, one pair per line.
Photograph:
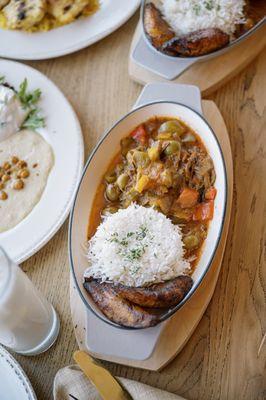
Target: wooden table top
224, 359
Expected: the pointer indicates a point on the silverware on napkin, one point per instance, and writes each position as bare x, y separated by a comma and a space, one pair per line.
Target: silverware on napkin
105, 383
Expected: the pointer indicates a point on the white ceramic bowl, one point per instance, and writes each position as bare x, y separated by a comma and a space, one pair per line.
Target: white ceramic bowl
97, 165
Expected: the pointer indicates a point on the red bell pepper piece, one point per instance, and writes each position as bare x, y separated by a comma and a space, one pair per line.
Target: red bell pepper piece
204, 211
140, 135
210, 193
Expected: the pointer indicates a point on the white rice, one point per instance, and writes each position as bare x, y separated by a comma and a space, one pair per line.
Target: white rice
136, 246
186, 16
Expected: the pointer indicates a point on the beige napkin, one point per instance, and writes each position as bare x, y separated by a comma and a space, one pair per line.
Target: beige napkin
71, 380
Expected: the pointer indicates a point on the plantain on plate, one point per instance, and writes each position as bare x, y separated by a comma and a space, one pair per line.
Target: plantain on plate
199, 42
137, 307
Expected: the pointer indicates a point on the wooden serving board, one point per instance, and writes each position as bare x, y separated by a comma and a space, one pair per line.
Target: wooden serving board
208, 75
181, 326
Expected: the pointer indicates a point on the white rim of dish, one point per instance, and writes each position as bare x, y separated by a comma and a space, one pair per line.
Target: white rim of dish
19, 373
77, 46
38, 244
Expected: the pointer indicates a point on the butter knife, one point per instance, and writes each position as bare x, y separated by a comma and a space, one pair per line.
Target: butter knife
105, 383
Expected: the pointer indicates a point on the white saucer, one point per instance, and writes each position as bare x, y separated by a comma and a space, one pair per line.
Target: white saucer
63, 133
14, 384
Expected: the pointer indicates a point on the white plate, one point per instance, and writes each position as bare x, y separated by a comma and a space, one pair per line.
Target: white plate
14, 384
63, 132
69, 38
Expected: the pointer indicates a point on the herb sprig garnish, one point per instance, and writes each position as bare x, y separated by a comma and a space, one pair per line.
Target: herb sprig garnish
29, 100
34, 120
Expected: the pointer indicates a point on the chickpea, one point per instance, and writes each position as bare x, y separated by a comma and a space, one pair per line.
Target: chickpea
2, 185
18, 184
5, 178
3, 195
22, 164
14, 160
25, 173
6, 166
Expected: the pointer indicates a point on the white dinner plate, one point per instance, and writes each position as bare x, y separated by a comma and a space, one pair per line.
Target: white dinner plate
69, 38
14, 384
63, 132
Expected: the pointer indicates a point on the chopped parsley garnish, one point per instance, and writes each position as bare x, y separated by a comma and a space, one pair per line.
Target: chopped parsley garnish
29, 100
131, 246
142, 233
209, 4
196, 9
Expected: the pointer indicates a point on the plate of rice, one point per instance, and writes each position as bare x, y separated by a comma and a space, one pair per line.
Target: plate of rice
42, 29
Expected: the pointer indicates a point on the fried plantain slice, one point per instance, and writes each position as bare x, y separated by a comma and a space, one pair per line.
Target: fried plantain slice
197, 43
160, 295
156, 28
118, 309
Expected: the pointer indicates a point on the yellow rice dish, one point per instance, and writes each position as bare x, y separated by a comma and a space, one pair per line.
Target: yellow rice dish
43, 15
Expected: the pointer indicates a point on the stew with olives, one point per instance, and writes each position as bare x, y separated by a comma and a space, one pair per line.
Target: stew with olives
163, 164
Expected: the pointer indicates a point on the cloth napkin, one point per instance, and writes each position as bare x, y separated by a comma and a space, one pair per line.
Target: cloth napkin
71, 380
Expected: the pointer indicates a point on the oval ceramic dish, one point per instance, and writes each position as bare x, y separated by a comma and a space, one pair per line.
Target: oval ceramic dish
205, 56
96, 167
169, 66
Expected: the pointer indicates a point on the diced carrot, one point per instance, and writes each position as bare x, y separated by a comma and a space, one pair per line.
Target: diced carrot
210, 193
188, 198
140, 135
204, 211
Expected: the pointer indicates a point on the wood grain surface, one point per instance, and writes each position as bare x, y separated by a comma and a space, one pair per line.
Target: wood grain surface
211, 74
222, 359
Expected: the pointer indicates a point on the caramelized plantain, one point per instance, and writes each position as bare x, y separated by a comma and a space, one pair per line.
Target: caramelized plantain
118, 309
197, 43
156, 28
160, 295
